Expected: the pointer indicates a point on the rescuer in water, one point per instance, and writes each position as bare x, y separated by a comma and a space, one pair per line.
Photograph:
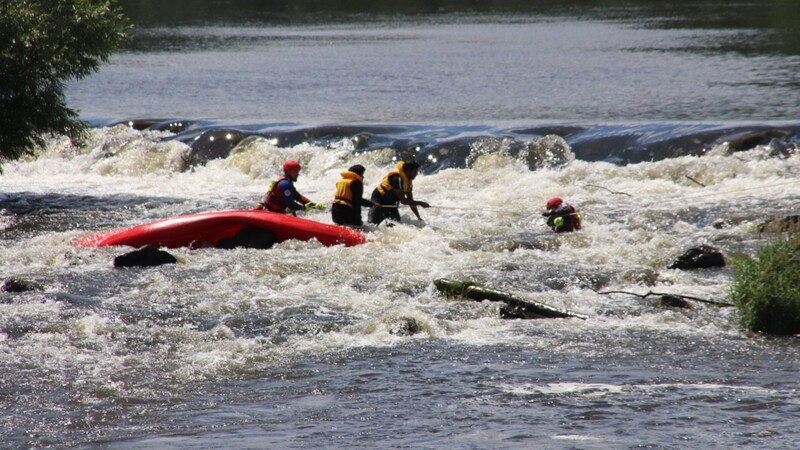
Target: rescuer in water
282, 197
561, 216
348, 200
395, 188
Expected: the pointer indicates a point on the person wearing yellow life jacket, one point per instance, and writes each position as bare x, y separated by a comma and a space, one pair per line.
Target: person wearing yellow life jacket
395, 188
282, 197
348, 200
561, 216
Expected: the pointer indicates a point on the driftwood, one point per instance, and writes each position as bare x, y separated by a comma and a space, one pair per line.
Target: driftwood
668, 299
692, 179
514, 307
609, 190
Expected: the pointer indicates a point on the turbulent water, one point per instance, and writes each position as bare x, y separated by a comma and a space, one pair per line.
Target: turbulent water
665, 134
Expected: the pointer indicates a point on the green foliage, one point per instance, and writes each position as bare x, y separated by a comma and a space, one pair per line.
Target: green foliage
44, 43
766, 289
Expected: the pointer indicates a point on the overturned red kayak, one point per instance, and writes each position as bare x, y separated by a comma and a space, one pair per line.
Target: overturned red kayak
225, 229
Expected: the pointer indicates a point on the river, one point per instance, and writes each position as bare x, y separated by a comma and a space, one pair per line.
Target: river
669, 127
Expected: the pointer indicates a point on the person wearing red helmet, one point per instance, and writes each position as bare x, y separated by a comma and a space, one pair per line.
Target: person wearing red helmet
282, 197
561, 216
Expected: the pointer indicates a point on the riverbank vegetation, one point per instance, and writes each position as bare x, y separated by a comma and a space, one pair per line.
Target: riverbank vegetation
766, 288
43, 44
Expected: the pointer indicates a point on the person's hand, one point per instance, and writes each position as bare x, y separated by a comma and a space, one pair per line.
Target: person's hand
423, 204
546, 214
311, 205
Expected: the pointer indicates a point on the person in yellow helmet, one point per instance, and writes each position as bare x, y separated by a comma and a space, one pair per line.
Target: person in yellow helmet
347, 202
282, 196
561, 216
395, 188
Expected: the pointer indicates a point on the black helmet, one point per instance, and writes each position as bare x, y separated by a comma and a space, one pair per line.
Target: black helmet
358, 168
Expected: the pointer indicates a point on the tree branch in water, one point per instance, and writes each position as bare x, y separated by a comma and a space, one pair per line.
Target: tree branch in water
662, 294
609, 190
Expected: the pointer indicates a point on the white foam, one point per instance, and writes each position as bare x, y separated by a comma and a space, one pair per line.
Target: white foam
627, 241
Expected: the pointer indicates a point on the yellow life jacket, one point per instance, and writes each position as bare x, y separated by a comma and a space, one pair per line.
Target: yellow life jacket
405, 182
344, 192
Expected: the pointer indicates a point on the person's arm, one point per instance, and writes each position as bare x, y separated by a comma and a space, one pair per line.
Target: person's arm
413, 205
291, 197
357, 188
409, 200
302, 202
563, 210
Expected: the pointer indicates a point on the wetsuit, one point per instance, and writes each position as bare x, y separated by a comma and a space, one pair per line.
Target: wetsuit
564, 218
283, 197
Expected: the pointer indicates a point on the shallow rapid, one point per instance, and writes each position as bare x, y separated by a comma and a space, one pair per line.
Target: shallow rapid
663, 137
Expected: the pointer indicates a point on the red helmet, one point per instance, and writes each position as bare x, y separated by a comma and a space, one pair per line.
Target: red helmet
291, 165
553, 202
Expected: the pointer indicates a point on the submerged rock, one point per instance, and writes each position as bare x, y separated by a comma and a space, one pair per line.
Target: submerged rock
147, 256
551, 151
19, 285
405, 326
213, 144
673, 301
747, 139
779, 148
788, 224
702, 257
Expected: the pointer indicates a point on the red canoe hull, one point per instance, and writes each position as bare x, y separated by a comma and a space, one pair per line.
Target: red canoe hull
207, 229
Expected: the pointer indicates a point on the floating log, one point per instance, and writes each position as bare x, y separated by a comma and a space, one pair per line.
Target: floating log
514, 307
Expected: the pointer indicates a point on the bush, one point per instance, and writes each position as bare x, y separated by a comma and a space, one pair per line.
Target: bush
766, 290
43, 43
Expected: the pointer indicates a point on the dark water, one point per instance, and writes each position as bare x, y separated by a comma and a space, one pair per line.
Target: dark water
624, 82
669, 125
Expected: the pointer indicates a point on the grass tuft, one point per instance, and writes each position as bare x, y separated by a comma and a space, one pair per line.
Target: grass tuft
766, 289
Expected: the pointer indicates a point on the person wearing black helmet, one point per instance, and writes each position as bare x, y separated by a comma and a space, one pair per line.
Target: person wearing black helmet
348, 200
395, 188
282, 197
561, 216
